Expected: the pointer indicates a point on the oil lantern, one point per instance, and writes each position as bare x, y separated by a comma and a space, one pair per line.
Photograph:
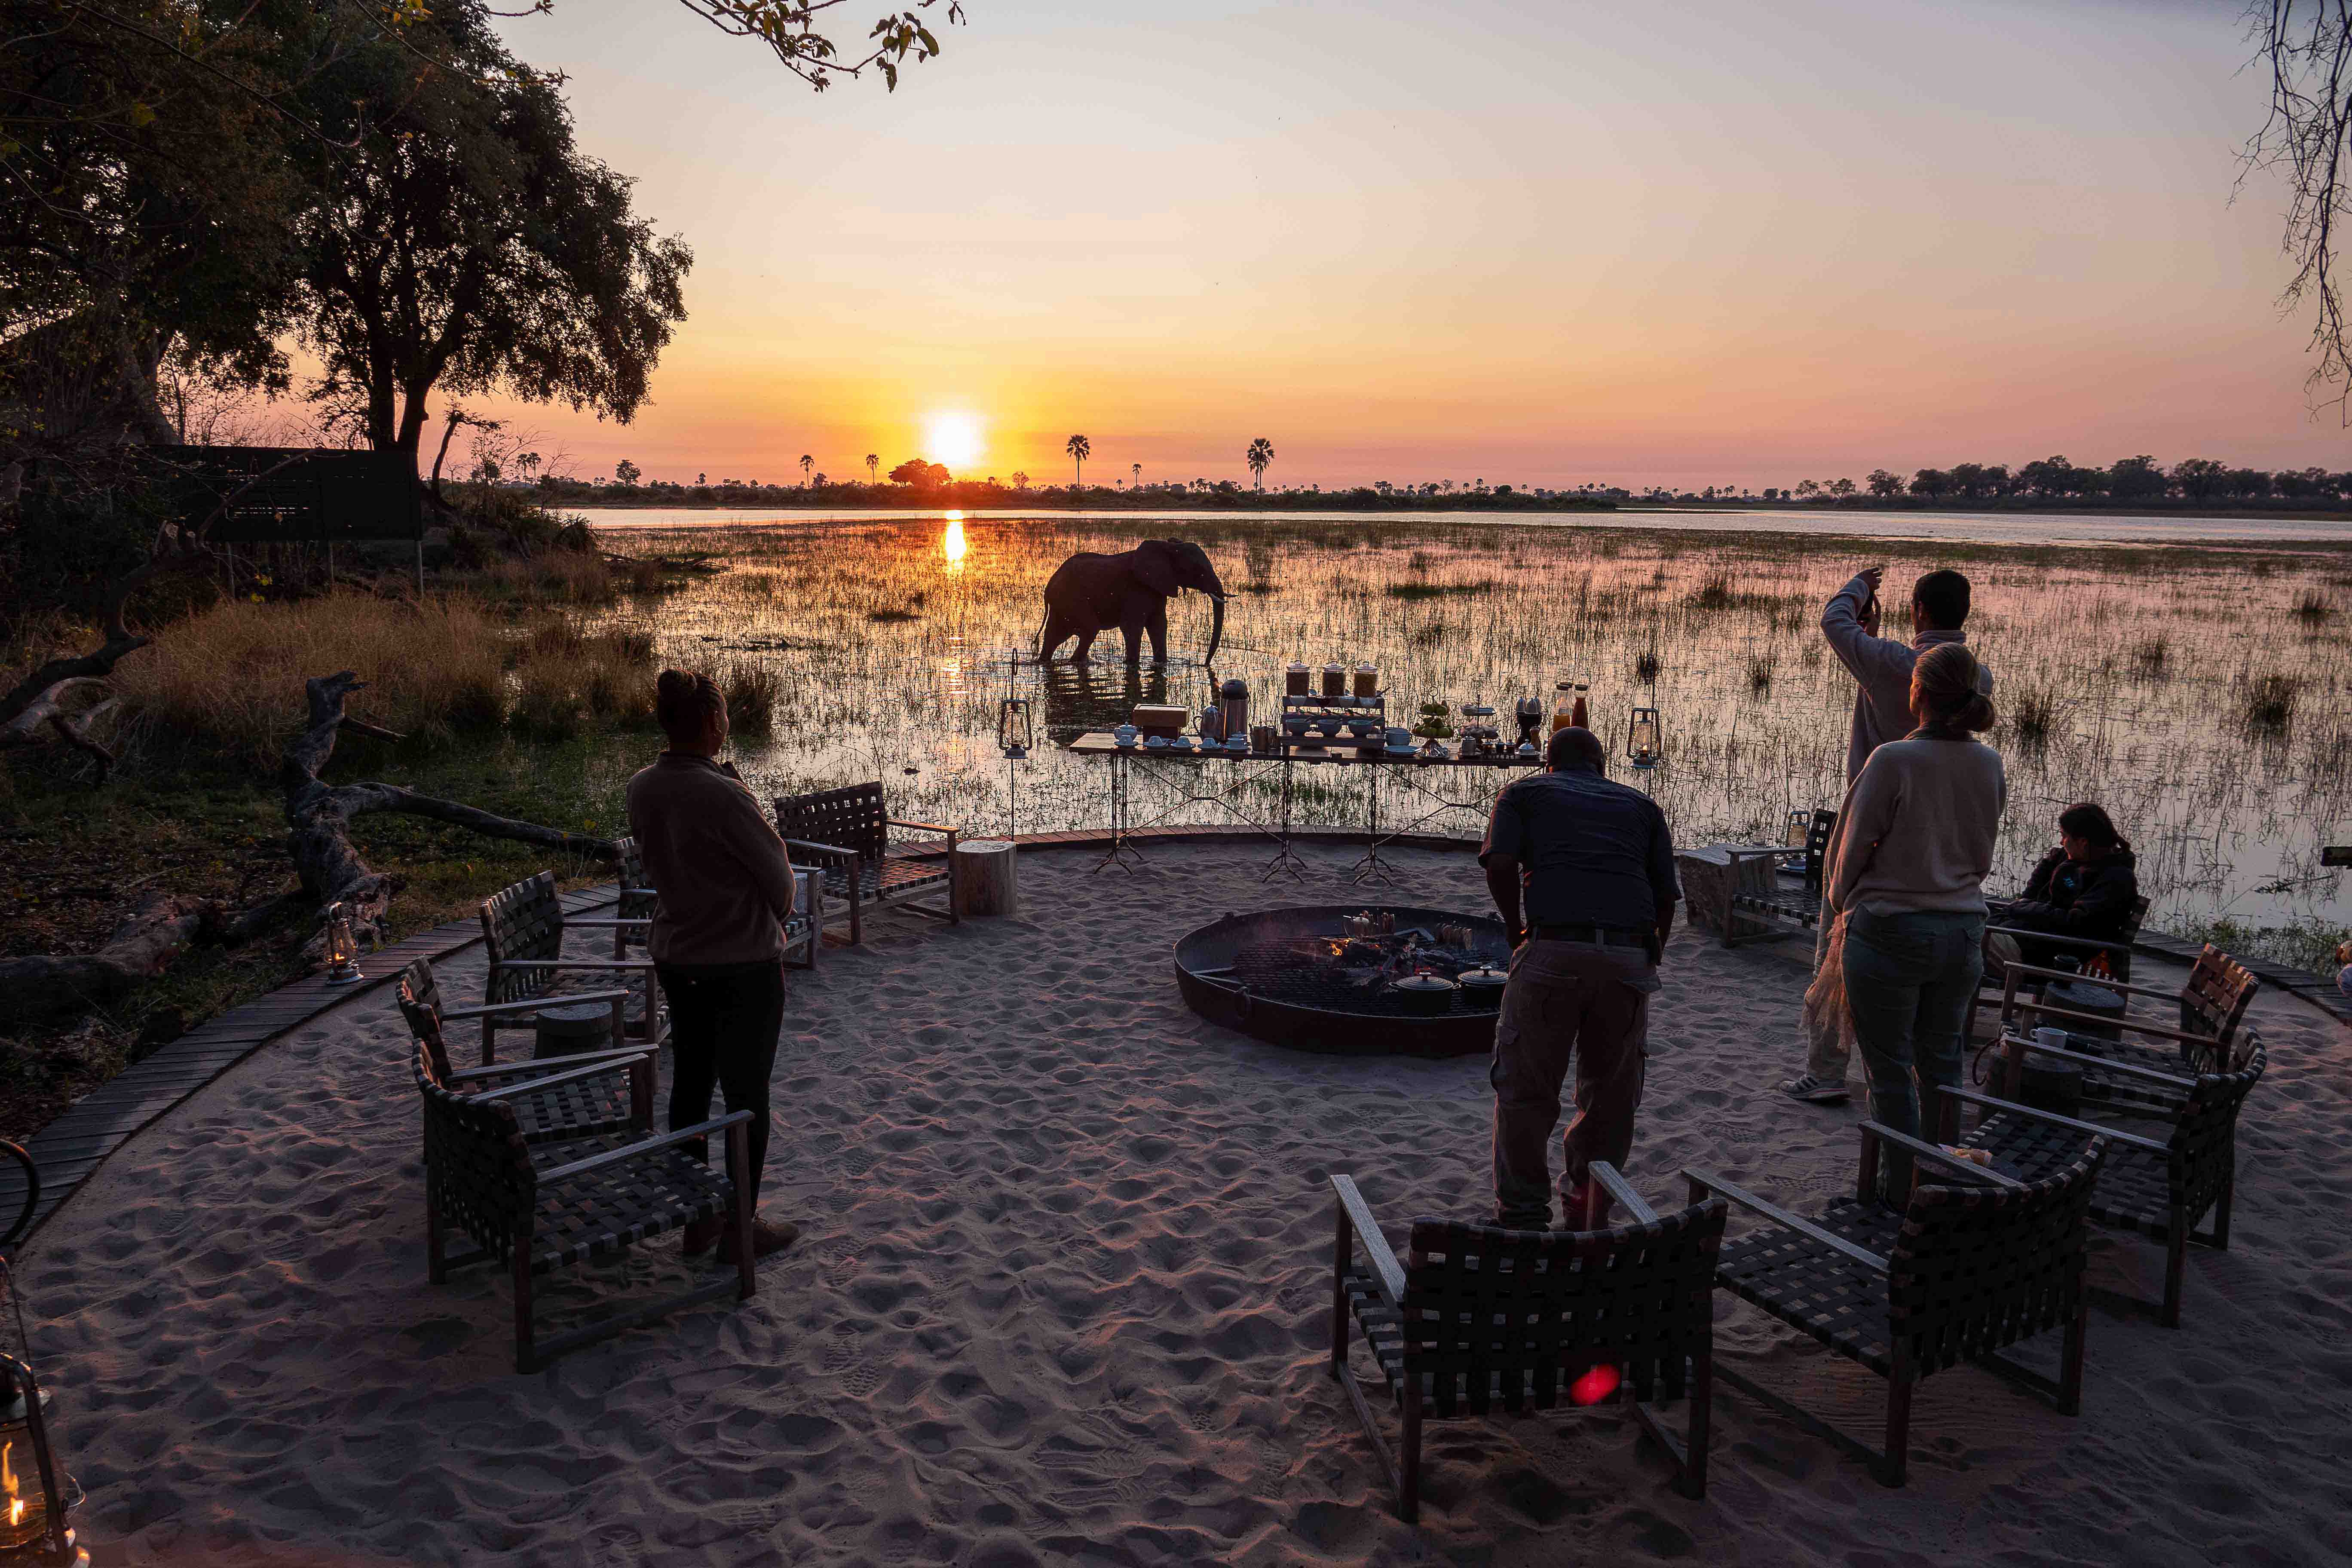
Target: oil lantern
342, 948
37, 1496
1644, 737
1015, 731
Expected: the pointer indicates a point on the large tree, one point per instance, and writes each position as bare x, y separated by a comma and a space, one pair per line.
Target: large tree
462, 243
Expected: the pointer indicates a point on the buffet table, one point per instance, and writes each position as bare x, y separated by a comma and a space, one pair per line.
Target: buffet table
1225, 780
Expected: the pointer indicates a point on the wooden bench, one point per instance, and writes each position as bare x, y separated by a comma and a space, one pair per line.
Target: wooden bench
1480, 1317
846, 835
1776, 889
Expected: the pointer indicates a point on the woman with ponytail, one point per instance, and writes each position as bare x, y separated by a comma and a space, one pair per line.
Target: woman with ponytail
1906, 871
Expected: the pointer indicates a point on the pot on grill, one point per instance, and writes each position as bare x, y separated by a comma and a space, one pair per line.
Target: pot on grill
1425, 995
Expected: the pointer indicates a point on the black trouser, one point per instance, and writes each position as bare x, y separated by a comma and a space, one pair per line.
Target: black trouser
723, 1023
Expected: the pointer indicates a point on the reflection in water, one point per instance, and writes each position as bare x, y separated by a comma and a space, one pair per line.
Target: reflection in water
2134, 680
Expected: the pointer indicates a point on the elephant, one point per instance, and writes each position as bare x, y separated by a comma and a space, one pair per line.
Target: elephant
1090, 593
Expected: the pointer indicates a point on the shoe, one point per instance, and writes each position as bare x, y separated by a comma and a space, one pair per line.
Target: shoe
700, 1236
1814, 1092
766, 1236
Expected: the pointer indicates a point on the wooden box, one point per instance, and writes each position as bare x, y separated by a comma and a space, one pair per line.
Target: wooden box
1159, 719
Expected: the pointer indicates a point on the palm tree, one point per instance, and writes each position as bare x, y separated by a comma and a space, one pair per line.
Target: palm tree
807, 463
1136, 470
873, 461
1261, 453
1080, 450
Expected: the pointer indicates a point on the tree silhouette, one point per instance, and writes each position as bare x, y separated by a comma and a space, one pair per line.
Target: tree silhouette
873, 461
1079, 449
627, 472
1019, 479
1261, 453
807, 463
1136, 470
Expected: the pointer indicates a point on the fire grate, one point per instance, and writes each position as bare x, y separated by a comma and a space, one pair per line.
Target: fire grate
1307, 978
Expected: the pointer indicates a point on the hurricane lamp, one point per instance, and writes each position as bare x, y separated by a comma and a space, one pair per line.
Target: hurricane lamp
342, 948
1644, 737
1015, 729
1800, 828
36, 1497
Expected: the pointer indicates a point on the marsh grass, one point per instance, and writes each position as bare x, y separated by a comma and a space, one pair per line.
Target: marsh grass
2313, 607
1759, 673
2267, 704
2150, 656
2309, 945
752, 690
1414, 591
2030, 710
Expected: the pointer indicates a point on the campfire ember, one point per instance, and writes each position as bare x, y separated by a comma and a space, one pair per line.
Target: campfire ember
1361, 967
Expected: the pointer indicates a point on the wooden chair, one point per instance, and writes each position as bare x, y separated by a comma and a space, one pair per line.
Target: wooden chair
2117, 950
523, 932
2158, 1186
846, 833
481, 1178
1479, 1316
638, 899
555, 1101
1776, 889
2213, 1010
1966, 1270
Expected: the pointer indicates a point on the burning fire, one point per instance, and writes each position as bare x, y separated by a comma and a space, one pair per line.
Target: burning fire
8, 1484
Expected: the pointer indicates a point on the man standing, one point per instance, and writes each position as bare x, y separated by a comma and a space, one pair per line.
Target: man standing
723, 888
1881, 667
1597, 868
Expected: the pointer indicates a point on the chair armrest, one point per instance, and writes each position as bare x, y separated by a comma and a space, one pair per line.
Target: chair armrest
556, 1080
820, 851
2089, 1129
2052, 939
1702, 1185
2041, 1010
582, 963
450, 1015
1737, 852
921, 827
1387, 1273
644, 1147
581, 1058
633, 924
1618, 1187
2173, 995
2107, 1063
1936, 1154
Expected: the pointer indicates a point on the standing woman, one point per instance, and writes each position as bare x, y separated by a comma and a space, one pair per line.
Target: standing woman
723, 888
1908, 870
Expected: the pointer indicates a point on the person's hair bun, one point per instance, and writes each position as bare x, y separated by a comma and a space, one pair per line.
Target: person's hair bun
1949, 681
683, 701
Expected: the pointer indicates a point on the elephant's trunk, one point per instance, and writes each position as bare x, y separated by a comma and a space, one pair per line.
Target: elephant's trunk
1216, 627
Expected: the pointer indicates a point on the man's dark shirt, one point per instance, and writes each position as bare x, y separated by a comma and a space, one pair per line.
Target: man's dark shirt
1590, 852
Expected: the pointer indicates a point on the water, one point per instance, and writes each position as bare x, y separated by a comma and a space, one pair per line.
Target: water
1949, 527
894, 638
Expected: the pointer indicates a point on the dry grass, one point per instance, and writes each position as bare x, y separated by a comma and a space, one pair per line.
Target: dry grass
230, 679
2032, 710
2268, 706
751, 689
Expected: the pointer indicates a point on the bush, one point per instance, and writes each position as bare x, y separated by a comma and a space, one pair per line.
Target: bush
752, 690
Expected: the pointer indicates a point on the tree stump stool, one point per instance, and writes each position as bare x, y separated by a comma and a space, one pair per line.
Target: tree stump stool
988, 878
566, 1030
2088, 996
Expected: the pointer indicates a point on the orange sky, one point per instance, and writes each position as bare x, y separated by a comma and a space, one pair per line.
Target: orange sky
1679, 243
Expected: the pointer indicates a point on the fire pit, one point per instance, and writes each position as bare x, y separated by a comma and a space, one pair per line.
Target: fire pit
1316, 979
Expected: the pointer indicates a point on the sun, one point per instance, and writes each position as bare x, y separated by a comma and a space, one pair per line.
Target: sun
952, 439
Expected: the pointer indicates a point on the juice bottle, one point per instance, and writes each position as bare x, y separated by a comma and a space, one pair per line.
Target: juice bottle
1563, 707
1577, 716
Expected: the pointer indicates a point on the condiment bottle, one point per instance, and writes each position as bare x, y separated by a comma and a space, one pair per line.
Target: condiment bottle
1577, 716
1563, 707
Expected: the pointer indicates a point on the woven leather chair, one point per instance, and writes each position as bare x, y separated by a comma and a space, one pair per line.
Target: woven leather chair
1966, 1270
2159, 1186
523, 932
2212, 1003
1480, 1317
2116, 950
846, 833
587, 1094
481, 1178
1776, 889
638, 899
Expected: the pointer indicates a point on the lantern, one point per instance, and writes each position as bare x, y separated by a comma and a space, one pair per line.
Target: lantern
1015, 731
1800, 828
37, 1496
342, 948
1644, 737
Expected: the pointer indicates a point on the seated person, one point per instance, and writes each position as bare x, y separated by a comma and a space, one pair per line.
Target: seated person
2083, 888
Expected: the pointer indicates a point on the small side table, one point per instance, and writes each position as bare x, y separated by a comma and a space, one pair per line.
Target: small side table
2086, 996
567, 1029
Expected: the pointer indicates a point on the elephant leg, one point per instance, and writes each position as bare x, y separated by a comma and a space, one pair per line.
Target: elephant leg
1085, 641
1133, 632
1156, 624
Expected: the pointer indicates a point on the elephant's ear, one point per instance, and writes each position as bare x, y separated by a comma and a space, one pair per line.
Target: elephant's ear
1157, 566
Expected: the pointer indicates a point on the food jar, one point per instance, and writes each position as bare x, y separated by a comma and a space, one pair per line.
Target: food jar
1368, 681
1334, 681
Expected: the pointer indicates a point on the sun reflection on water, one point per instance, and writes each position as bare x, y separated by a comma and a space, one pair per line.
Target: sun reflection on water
951, 542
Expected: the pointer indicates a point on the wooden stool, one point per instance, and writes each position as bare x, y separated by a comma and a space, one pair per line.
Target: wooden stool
987, 879
568, 1030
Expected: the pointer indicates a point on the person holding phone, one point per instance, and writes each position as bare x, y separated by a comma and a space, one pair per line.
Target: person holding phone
1881, 667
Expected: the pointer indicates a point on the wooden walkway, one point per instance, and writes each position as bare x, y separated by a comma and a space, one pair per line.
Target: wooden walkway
2316, 989
73, 1146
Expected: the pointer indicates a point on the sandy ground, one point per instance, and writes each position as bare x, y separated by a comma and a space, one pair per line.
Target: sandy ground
1062, 1299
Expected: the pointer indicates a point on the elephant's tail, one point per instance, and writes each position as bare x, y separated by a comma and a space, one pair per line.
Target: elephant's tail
1043, 627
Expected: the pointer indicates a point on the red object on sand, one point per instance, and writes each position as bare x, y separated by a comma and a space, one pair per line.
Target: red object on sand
1597, 1384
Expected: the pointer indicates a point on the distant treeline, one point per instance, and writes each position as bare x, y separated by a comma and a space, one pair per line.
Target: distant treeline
2130, 481
977, 494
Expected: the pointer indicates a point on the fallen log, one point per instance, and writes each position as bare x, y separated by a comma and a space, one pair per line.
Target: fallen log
47, 711
161, 928
318, 816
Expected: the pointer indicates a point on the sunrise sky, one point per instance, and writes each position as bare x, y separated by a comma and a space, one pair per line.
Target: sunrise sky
1545, 243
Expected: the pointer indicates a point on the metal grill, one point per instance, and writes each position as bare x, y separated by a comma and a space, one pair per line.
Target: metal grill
1350, 975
